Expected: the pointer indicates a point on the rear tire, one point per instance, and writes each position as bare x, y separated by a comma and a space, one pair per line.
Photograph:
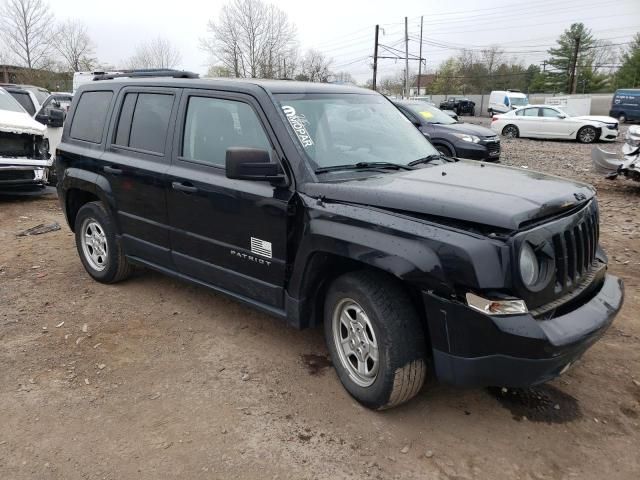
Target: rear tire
375, 338
587, 134
99, 249
511, 131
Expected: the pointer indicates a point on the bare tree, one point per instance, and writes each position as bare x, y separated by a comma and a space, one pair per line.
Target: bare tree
315, 67
251, 39
75, 46
158, 53
27, 29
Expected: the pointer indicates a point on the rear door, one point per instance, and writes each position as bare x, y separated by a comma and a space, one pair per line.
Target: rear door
231, 234
527, 122
135, 162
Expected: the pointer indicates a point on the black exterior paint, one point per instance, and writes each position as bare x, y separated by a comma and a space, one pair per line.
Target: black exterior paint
441, 230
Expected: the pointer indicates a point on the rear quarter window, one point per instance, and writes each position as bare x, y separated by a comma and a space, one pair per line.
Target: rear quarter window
90, 116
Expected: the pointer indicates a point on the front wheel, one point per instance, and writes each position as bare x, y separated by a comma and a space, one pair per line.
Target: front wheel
587, 134
444, 150
375, 338
99, 249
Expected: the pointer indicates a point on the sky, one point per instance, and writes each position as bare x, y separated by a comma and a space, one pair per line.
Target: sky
344, 29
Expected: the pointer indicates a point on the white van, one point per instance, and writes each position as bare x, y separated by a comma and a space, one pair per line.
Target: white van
502, 101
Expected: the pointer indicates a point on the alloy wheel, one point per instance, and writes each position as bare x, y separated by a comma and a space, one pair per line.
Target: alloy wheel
94, 244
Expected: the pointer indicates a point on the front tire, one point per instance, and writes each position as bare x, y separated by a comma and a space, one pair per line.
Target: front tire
99, 249
375, 338
511, 131
444, 150
587, 135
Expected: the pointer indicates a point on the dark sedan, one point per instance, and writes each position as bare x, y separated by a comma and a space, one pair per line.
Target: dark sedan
452, 138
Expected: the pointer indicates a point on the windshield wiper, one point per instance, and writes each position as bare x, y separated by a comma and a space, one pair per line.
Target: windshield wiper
427, 159
364, 165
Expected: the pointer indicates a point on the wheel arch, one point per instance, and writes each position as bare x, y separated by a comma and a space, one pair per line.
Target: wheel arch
80, 187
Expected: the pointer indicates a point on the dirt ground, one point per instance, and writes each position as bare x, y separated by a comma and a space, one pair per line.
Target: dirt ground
154, 378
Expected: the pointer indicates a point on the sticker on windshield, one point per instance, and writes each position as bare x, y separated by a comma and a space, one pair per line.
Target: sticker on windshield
426, 114
298, 122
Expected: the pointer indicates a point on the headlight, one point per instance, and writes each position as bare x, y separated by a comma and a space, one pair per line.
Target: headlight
43, 149
529, 265
467, 138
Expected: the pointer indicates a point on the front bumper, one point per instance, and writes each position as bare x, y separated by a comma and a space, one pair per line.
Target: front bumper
478, 151
609, 134
474, 349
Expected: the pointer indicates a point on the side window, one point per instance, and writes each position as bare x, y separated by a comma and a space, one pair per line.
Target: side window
91, 113
531, 112
213, 125
25, 100
549, 113
144, 120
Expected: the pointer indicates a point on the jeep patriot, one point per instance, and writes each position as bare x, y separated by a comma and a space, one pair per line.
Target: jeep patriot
323, 205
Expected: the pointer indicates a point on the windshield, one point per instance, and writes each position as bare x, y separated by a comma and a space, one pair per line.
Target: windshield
7, 102
429, 114
41, 94
519, 101
347, 129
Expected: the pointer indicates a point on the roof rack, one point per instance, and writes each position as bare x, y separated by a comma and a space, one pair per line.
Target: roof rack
149, 73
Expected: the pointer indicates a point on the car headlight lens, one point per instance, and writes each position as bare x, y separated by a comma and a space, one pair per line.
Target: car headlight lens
467, 138
529, 265
43, 148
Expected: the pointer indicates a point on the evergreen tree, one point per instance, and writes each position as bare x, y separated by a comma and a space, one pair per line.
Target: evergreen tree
562, 57
629, 74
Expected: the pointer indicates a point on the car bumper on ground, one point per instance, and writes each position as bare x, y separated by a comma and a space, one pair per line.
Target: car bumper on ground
474, 349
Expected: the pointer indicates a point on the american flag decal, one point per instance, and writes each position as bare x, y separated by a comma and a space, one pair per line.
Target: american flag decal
260, 247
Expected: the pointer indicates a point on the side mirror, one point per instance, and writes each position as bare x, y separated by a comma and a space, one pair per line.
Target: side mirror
251, 164
562, 116
56, 118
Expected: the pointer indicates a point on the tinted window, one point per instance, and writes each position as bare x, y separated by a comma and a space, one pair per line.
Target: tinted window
150, 122
7, 102
91, 113
25, 100
549, 112
124, 122
213, 125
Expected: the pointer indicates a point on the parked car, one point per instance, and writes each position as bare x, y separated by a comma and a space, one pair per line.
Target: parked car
24, 97
459, 105
452, 138
546, 121
502, 101
451, 113
322, 204
24, 150
625, 105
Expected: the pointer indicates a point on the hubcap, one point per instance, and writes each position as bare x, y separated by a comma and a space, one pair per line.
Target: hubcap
355, 342
94, 244
510, 132
587, 135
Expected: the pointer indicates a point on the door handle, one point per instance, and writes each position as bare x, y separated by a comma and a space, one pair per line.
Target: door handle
112, 170
184, 187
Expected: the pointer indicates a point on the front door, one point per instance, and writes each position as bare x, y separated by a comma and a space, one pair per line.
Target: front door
231, 234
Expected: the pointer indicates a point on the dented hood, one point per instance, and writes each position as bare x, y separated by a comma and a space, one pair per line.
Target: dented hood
19, 122
487, 194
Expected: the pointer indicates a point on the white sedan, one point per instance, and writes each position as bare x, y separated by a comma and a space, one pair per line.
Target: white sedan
545, 121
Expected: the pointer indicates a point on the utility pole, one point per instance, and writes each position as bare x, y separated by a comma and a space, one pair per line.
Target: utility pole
406, 56
420, 59
573, 78
375, 59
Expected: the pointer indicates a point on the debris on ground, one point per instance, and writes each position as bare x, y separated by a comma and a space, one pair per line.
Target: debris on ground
39, 229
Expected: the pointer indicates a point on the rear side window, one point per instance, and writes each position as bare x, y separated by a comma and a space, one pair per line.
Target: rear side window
144, 121
91, 113
213, 125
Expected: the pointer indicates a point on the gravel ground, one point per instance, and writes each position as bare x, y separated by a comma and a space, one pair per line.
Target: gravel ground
154, 378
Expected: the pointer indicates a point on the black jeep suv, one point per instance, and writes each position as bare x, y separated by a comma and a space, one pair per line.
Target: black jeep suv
322, 204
